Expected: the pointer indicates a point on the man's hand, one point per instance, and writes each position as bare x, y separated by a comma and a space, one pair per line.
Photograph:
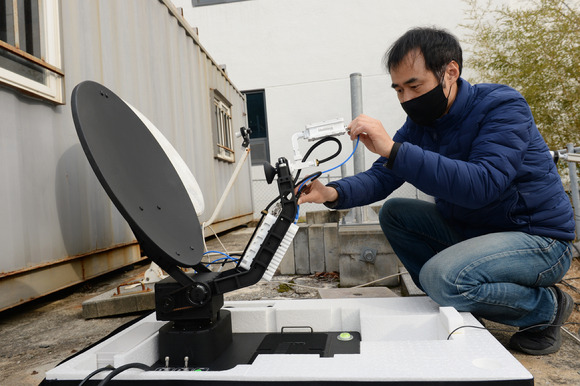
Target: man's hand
317, 193
372, 134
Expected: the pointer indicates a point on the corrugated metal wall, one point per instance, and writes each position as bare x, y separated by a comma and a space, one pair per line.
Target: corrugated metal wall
53, 208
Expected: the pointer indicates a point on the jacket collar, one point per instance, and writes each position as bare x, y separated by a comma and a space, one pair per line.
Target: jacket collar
457, 108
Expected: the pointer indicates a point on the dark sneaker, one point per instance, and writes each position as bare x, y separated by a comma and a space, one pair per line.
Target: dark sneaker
548, 340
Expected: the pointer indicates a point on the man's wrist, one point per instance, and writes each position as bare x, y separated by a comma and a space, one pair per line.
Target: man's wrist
332, 194
389, 150
391, 158
332, 199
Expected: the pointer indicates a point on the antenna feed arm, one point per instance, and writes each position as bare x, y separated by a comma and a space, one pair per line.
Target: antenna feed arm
314, 132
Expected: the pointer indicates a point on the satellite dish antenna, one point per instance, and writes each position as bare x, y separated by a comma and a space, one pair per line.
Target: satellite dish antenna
143, 175
155, 192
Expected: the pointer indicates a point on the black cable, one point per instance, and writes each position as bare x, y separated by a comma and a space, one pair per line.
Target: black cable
467, 326
337, 151
222, 262
568, 285
106, 368
270, 204
120, 369
310, 177
318, 143
506, 330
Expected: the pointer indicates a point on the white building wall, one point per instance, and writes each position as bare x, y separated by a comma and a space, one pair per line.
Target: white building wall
302, 53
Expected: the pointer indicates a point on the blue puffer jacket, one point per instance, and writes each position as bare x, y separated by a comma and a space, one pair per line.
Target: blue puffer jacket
485, 163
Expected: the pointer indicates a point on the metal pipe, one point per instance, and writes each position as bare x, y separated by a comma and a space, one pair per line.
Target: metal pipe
343, 171
356, 108
574, 189
562, 153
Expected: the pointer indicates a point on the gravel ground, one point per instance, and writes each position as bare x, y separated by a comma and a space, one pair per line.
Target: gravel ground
37, 336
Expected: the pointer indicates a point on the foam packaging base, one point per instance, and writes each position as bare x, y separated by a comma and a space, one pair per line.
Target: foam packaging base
402, 340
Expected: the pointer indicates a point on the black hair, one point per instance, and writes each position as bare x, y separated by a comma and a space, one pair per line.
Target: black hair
438, 47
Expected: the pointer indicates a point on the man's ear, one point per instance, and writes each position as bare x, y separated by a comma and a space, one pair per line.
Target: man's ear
452, 71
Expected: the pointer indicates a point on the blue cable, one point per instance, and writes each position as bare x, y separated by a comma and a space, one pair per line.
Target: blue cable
218, 252
227, 257
326, 171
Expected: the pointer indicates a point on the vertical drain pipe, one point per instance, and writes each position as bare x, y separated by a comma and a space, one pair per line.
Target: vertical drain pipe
356, 108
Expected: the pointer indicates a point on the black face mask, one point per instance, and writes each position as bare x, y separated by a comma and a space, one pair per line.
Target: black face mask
425, 109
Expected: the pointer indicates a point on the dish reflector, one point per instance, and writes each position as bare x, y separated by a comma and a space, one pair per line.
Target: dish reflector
142, 173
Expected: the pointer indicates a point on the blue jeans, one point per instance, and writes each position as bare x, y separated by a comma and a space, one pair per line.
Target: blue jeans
501, 276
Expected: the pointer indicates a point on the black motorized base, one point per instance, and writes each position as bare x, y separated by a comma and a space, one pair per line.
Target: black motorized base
245, 347
185, 344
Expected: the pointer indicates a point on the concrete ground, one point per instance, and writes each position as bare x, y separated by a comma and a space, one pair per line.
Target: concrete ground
37, 336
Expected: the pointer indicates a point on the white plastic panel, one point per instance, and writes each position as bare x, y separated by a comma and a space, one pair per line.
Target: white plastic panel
419, 353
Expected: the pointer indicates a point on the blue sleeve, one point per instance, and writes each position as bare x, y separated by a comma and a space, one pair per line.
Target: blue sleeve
497, 152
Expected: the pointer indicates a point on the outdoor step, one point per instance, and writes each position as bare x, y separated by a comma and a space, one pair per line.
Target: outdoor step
366, 292
360, 253
111, 303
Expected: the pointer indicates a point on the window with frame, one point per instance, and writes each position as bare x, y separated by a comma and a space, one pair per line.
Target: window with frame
258, 122
30, 49
222, 128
